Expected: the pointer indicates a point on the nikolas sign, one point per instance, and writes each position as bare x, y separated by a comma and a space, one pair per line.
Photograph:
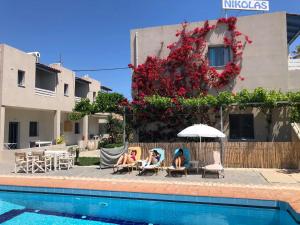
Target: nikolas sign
246, 4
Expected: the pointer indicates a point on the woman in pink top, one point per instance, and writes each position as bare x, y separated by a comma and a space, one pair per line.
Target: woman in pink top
127, 158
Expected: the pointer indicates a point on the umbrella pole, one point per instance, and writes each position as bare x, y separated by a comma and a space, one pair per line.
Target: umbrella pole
221, 140
200, 148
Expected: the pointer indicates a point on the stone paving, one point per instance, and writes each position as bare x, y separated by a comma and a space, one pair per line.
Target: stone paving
233, 176
249, 177
238, 183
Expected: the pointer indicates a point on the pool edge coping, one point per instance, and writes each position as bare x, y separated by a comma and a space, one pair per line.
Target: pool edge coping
229, 201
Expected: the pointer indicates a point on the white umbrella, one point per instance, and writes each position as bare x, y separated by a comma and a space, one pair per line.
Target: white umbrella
201, 130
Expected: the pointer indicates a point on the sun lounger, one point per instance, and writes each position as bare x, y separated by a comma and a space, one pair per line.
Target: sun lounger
186, 164
154, 167
215, 167
130, 166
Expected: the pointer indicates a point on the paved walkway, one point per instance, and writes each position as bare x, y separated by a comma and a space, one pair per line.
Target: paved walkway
238, 183
248, 177
291, 196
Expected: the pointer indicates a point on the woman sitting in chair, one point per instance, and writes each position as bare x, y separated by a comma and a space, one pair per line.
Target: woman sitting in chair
153, 158
179, 159
127, 158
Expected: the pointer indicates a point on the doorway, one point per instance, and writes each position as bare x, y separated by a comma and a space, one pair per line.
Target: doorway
13, 134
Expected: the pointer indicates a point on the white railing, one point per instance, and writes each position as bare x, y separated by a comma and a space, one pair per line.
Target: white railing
44, 92
294, 64
77, 99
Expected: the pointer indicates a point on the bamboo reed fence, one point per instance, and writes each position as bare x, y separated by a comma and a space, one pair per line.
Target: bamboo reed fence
236, 154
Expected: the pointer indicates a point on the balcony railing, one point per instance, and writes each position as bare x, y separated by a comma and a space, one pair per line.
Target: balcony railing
44, 92
294, 64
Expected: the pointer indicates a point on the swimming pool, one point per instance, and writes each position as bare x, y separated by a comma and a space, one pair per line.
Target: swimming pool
28, 205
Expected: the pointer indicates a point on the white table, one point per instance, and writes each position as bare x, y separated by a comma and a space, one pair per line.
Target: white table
55, 154
43, 143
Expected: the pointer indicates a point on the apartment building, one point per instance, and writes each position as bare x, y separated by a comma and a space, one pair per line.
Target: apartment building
35, 101
265, 64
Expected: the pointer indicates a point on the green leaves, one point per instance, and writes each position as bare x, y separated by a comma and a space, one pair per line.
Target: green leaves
159, 101
108, 102
84, 106
259, 97
75, 116
295, 114
105, 103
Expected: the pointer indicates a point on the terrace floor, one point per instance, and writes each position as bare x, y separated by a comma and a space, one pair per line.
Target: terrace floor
270, 184
233, 176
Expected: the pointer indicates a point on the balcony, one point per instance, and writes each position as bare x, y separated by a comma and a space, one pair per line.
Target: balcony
45, 80
294, 64
44, 92
82, 87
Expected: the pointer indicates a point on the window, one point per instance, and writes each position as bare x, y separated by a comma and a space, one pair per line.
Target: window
219, 56
241, 126
94, 96
21, 78
77, 128
66, 89
33, 129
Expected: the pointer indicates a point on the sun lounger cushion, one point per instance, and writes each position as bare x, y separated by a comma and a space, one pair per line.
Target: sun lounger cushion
214, 167
187, 156
161, 159
137, 157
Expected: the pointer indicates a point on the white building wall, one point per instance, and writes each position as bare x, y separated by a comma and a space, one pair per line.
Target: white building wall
70, 137
22, 104
23, 117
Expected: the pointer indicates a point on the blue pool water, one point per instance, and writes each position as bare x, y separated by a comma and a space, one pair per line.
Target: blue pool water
26, 208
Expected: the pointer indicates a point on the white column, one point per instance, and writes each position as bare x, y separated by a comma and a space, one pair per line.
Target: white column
2, 126
85, 128
57, 115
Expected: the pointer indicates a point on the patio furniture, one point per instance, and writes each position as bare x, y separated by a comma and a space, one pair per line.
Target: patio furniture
10, 146
65, 161
155, 167
195, 165
22, 162
186, 165
215, 167
72, 153
40, 162
55, 154
130, 166
43, 143
202, 130
32, 144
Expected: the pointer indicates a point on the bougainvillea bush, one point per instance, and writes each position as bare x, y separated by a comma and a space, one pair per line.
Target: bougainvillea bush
185, 73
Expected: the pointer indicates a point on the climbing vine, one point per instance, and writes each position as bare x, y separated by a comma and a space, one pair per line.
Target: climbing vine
186, 72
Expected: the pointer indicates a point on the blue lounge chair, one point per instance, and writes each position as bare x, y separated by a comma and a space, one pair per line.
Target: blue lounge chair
186, 165
156, 166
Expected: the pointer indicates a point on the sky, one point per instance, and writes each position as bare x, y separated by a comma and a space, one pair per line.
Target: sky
91, 34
